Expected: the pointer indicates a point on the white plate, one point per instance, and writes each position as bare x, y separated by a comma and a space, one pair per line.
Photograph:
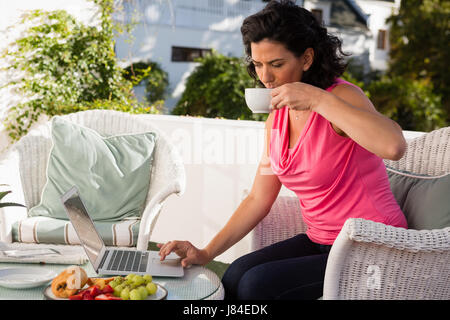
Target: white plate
20, 278
160, 294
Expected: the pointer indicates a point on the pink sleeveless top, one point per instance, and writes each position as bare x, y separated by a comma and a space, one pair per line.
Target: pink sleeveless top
333, 177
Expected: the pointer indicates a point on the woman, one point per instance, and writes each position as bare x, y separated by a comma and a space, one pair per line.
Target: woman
325, 141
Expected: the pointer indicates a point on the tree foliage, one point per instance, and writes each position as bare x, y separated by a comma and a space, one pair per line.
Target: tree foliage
420, 45
65, 66
216, 89
155, 79
411, 103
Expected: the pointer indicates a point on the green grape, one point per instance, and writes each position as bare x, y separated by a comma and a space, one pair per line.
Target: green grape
113, 284
138, 280
143, 291
118, 279
131, 286
118, 289
151, 288
135, 295
125, 294
147, 278
130, 276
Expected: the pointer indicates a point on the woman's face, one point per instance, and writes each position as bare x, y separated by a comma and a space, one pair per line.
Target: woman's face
275, 65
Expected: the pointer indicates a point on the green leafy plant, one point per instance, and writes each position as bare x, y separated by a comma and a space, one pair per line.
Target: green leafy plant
7, 204
216, 89
411, 103
155, 79
420, 45
65, 63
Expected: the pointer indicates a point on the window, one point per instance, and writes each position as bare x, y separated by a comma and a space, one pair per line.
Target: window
381, 41
183, 54
318, 14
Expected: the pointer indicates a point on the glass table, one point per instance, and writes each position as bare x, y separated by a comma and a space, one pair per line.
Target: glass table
198, 283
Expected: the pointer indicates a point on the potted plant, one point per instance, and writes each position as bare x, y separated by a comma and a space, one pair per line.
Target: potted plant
7, 204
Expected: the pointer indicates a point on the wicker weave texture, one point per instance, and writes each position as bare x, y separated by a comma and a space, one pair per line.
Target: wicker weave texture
361, 230
388, 269
427, 154
283, 221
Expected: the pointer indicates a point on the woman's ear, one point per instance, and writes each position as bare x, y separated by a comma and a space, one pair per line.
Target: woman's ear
308, 59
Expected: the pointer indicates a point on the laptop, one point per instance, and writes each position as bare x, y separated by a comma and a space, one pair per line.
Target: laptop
115, 261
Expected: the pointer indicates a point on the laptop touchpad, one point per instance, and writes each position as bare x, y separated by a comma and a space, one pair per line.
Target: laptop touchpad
166, 268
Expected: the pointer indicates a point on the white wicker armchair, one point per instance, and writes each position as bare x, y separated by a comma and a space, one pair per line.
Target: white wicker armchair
28, 161
370, 260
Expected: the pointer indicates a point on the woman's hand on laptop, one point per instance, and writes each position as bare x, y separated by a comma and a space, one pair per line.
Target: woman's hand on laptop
188, 253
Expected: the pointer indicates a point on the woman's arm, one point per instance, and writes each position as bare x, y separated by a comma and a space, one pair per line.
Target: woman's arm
250, 212
351, 113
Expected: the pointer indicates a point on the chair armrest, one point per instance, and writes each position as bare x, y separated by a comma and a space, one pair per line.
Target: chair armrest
370, 260
151, 214
283, 221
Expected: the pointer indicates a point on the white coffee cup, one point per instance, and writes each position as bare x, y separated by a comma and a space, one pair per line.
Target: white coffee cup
258, 99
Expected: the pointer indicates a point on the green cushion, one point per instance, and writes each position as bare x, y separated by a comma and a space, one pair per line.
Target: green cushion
425, 200
49, 230
112, 173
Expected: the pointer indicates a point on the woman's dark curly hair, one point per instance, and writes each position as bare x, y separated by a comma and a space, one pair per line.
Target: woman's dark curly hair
297, 29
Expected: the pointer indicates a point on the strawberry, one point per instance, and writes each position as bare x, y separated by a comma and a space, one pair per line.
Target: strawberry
94, 291
106, 296
87, 296
77, 296
108, 289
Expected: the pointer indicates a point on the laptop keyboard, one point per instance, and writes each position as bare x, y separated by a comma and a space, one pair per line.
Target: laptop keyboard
127, 260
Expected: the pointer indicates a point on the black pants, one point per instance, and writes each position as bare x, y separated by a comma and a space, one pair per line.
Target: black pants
289, 269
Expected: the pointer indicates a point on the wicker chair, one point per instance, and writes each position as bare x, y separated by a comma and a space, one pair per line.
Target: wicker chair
371, 260
29, 157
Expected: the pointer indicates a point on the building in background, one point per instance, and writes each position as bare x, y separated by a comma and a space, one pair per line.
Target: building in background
362, 26
175, 32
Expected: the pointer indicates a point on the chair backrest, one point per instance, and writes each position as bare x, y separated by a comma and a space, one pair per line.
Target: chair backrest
428, 154
34, 150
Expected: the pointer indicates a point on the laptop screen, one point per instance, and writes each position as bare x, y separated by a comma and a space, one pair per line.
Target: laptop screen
83, 225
